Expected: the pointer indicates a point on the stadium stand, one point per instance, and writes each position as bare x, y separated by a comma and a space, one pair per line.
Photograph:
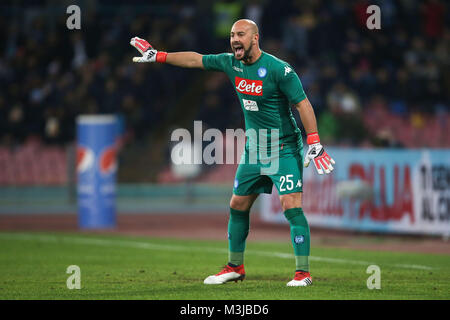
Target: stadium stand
384, 88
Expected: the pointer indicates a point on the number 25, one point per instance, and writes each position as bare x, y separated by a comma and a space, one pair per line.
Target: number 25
289, 182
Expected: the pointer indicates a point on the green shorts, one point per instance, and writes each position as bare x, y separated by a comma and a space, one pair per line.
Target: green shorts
252, 179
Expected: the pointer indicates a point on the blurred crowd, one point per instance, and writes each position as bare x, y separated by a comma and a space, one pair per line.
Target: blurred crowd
353, 76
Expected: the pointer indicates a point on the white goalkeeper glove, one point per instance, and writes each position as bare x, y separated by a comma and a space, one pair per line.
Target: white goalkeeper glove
149, 54
316, 152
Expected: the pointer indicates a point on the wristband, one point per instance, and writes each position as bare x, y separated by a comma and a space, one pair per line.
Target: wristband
312, 138
161, 57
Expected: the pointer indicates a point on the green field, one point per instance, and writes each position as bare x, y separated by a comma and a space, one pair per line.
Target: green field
33, 266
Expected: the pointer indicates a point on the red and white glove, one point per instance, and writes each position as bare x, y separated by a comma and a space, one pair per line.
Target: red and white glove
149, 54
317, 153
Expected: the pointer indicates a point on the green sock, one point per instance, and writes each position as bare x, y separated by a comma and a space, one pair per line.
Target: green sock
300, 237
238, 227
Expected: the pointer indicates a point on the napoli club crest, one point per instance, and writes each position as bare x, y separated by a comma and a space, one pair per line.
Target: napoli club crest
262, 72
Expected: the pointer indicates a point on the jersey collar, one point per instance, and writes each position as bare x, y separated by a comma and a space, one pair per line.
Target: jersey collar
257, 60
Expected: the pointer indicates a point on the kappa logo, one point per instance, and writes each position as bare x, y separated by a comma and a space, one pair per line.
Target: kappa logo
250, 87
237, 69
287, 70
299, 184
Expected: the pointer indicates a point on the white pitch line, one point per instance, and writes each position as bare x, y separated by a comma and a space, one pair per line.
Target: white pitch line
153, 246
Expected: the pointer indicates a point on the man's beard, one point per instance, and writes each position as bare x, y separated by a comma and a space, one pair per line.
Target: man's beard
246, 57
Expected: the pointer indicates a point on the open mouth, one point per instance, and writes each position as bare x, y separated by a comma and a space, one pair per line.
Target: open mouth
238, 49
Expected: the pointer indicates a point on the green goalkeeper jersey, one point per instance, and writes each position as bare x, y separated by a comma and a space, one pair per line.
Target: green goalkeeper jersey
266, 90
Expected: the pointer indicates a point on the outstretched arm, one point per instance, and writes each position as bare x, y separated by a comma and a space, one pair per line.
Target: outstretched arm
186, 59
316, 152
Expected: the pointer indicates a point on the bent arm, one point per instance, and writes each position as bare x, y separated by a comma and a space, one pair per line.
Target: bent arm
307, 116
186, 59
316, 153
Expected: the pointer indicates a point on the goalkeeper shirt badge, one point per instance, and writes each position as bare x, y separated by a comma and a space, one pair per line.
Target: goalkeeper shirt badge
262, 72
250, 105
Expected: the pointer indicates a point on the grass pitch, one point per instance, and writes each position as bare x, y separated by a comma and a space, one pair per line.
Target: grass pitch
33, 266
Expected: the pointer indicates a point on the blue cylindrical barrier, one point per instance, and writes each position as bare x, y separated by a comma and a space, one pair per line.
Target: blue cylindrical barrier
96, 171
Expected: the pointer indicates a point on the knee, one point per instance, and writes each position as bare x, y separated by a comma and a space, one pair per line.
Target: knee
239, 203
289, 201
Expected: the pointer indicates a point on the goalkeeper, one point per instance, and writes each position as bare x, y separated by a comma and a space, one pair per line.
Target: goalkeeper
267, 87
